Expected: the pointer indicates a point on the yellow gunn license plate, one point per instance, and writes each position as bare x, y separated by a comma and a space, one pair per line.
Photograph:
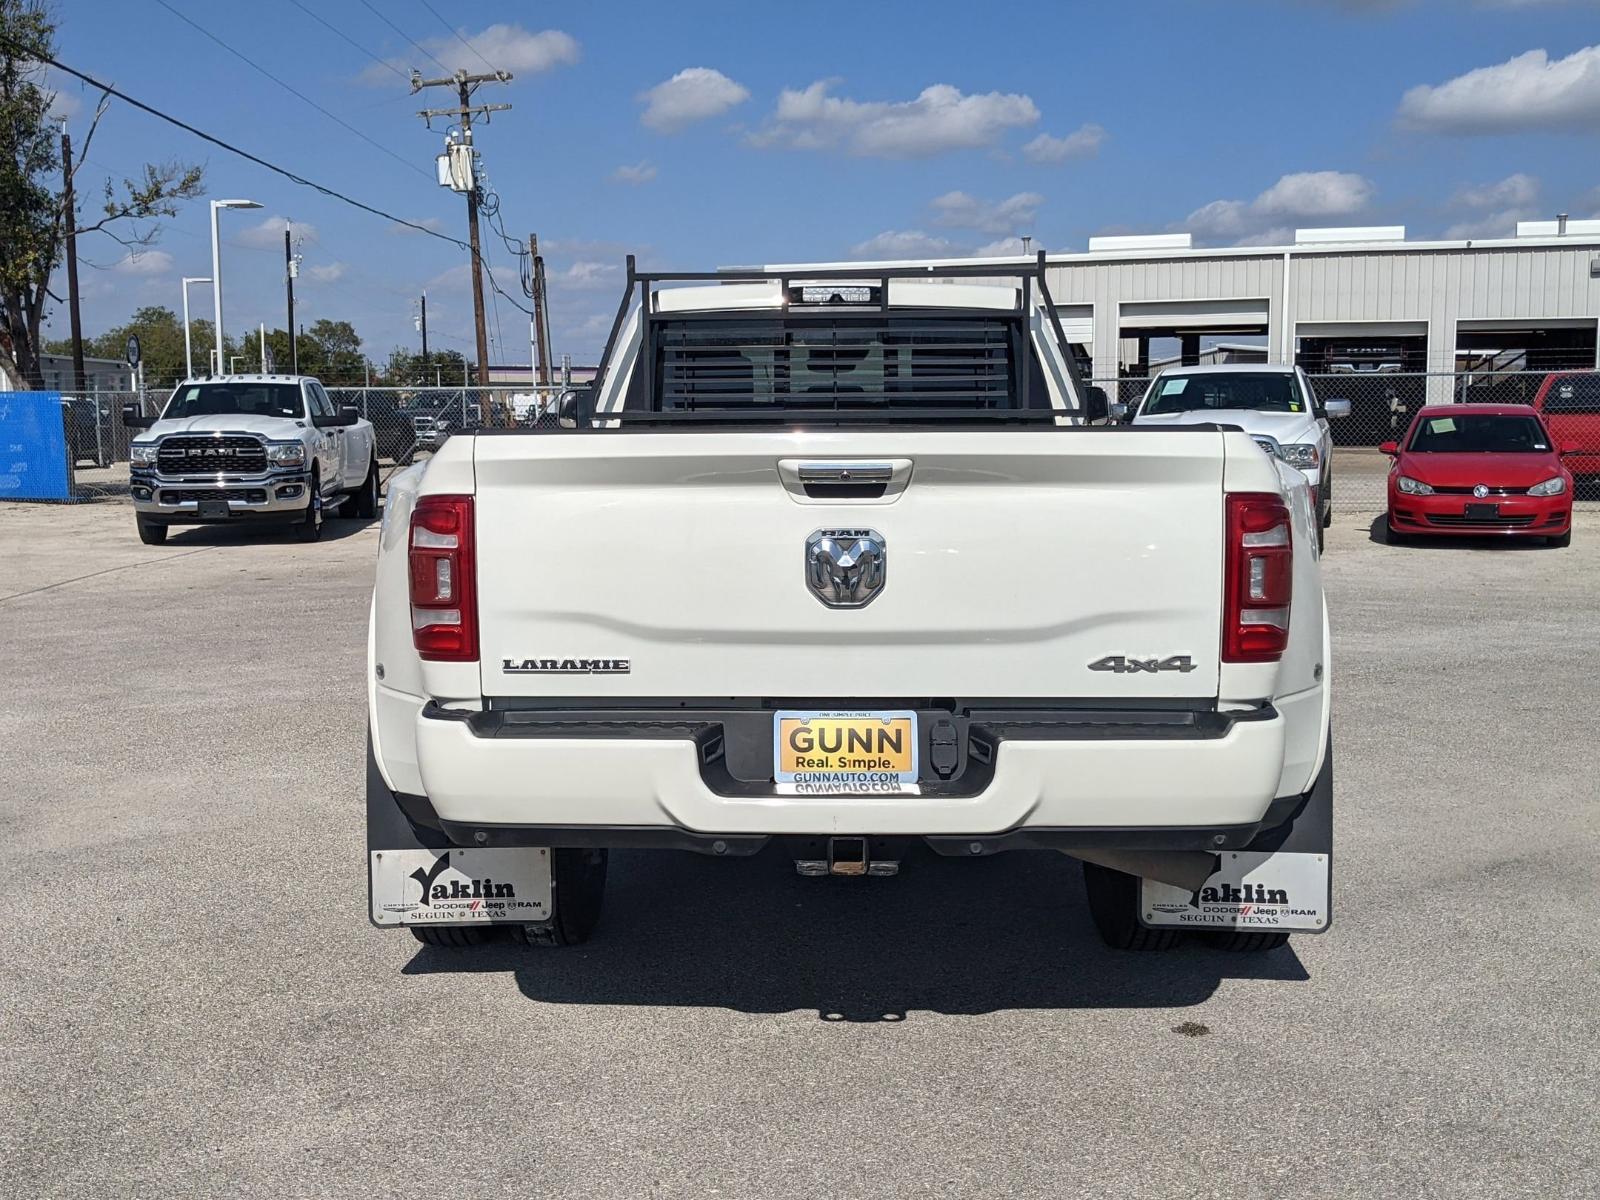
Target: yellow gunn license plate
845, 753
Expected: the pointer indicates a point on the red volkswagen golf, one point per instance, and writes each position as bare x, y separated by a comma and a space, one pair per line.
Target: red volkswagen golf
1479, 469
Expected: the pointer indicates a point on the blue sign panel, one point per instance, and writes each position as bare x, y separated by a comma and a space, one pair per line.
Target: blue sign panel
33, 447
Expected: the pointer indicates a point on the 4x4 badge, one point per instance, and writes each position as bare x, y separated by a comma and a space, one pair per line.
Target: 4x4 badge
1132, 666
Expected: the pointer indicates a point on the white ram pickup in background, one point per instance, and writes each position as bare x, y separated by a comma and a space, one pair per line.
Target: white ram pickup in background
1274, 404
268, 448
839, 563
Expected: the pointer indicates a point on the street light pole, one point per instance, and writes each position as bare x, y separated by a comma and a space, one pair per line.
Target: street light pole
216, 274
188, 349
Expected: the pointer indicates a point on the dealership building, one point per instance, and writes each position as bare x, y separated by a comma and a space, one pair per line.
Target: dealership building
1354, 299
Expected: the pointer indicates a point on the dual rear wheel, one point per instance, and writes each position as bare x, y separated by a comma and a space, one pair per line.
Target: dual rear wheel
1114, 905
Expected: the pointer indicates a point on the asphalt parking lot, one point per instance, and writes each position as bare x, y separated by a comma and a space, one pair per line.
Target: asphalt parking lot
193, 1004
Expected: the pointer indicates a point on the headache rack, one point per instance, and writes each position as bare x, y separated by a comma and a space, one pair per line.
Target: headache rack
837, 352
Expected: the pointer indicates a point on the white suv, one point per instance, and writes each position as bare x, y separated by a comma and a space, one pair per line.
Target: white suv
1274, 404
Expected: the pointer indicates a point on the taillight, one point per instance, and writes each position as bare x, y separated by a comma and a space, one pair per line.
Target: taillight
1260, 577
444, 600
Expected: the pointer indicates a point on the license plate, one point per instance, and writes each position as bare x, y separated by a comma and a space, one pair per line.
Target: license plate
214, 509
1481, 512
845, 753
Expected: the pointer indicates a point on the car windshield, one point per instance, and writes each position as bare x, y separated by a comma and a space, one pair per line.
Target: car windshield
1260, 391
235, 399
1478, 433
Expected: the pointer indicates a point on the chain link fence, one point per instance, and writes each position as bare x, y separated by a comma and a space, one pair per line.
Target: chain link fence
412, 422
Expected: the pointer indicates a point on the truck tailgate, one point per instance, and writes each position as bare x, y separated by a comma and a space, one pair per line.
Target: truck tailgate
673, 564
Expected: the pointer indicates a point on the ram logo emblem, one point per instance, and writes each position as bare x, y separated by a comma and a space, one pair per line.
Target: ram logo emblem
1132, 666
845, 568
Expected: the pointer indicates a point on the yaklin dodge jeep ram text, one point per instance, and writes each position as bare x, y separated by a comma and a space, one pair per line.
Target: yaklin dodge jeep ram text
839, 561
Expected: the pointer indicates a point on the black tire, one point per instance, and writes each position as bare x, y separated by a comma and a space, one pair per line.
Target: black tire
366, 500
453, 936
1322, 538
579, 879
1114, 905
151, 533
309, 527
1561, 542
1239, 942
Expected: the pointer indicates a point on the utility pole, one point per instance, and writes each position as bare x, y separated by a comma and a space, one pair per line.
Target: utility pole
290, 269
541, 320
464, 177
424, 329
71, 206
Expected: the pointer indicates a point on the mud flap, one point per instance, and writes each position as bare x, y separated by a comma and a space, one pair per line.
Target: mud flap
1282, 881
415, 876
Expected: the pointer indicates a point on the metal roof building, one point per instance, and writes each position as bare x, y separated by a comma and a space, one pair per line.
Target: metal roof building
1340, 299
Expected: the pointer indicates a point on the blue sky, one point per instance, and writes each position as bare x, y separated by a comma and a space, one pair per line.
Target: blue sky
701, 134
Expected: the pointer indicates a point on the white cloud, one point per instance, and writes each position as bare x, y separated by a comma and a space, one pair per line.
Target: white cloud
904, 243
1514, 191
1007, 247
940, 119
326, 272
509, 47
267, 234
1529, 92
452, 279
1304, 194
590, 276
1083, 142
957, 210
144, 263
636, 174
693, 94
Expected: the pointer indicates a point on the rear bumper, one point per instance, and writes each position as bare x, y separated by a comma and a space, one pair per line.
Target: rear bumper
1443, 516
1167, 783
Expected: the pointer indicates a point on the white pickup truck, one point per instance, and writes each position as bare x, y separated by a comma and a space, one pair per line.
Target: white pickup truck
842, 563
234, 448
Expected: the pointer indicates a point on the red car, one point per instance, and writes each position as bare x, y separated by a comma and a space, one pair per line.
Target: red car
1479, 469
1569, 404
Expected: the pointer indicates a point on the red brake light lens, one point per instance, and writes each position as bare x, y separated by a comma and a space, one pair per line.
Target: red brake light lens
1259, 578
443, 564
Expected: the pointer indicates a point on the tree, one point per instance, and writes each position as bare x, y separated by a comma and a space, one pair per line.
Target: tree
331, 350
405, 369
33, 216
160, 333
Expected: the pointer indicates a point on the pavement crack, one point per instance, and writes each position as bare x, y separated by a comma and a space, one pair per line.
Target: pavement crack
149, 562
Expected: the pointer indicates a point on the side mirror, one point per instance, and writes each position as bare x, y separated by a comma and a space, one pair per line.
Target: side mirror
344, 418
1570, 448
1096, 404
351, 411
1119, 413
1389, 448
572, 410
1336, 409
132, 418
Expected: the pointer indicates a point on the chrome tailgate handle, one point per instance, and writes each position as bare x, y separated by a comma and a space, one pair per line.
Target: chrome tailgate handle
840, 481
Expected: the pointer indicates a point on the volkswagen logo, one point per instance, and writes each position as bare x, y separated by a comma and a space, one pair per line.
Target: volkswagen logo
1480, 490
845, 568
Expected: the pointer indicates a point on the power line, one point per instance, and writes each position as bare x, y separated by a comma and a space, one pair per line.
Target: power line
407, 163
456, 34
337, 32
403, 34
30, 52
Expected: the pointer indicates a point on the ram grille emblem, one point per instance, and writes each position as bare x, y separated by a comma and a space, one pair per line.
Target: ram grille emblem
845, 568
1120, 665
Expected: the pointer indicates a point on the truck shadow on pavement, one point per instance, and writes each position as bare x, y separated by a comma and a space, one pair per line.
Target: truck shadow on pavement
946, 936
334, 529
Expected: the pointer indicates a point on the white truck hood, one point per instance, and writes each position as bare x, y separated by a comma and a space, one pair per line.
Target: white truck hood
276, 428
1288, 428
